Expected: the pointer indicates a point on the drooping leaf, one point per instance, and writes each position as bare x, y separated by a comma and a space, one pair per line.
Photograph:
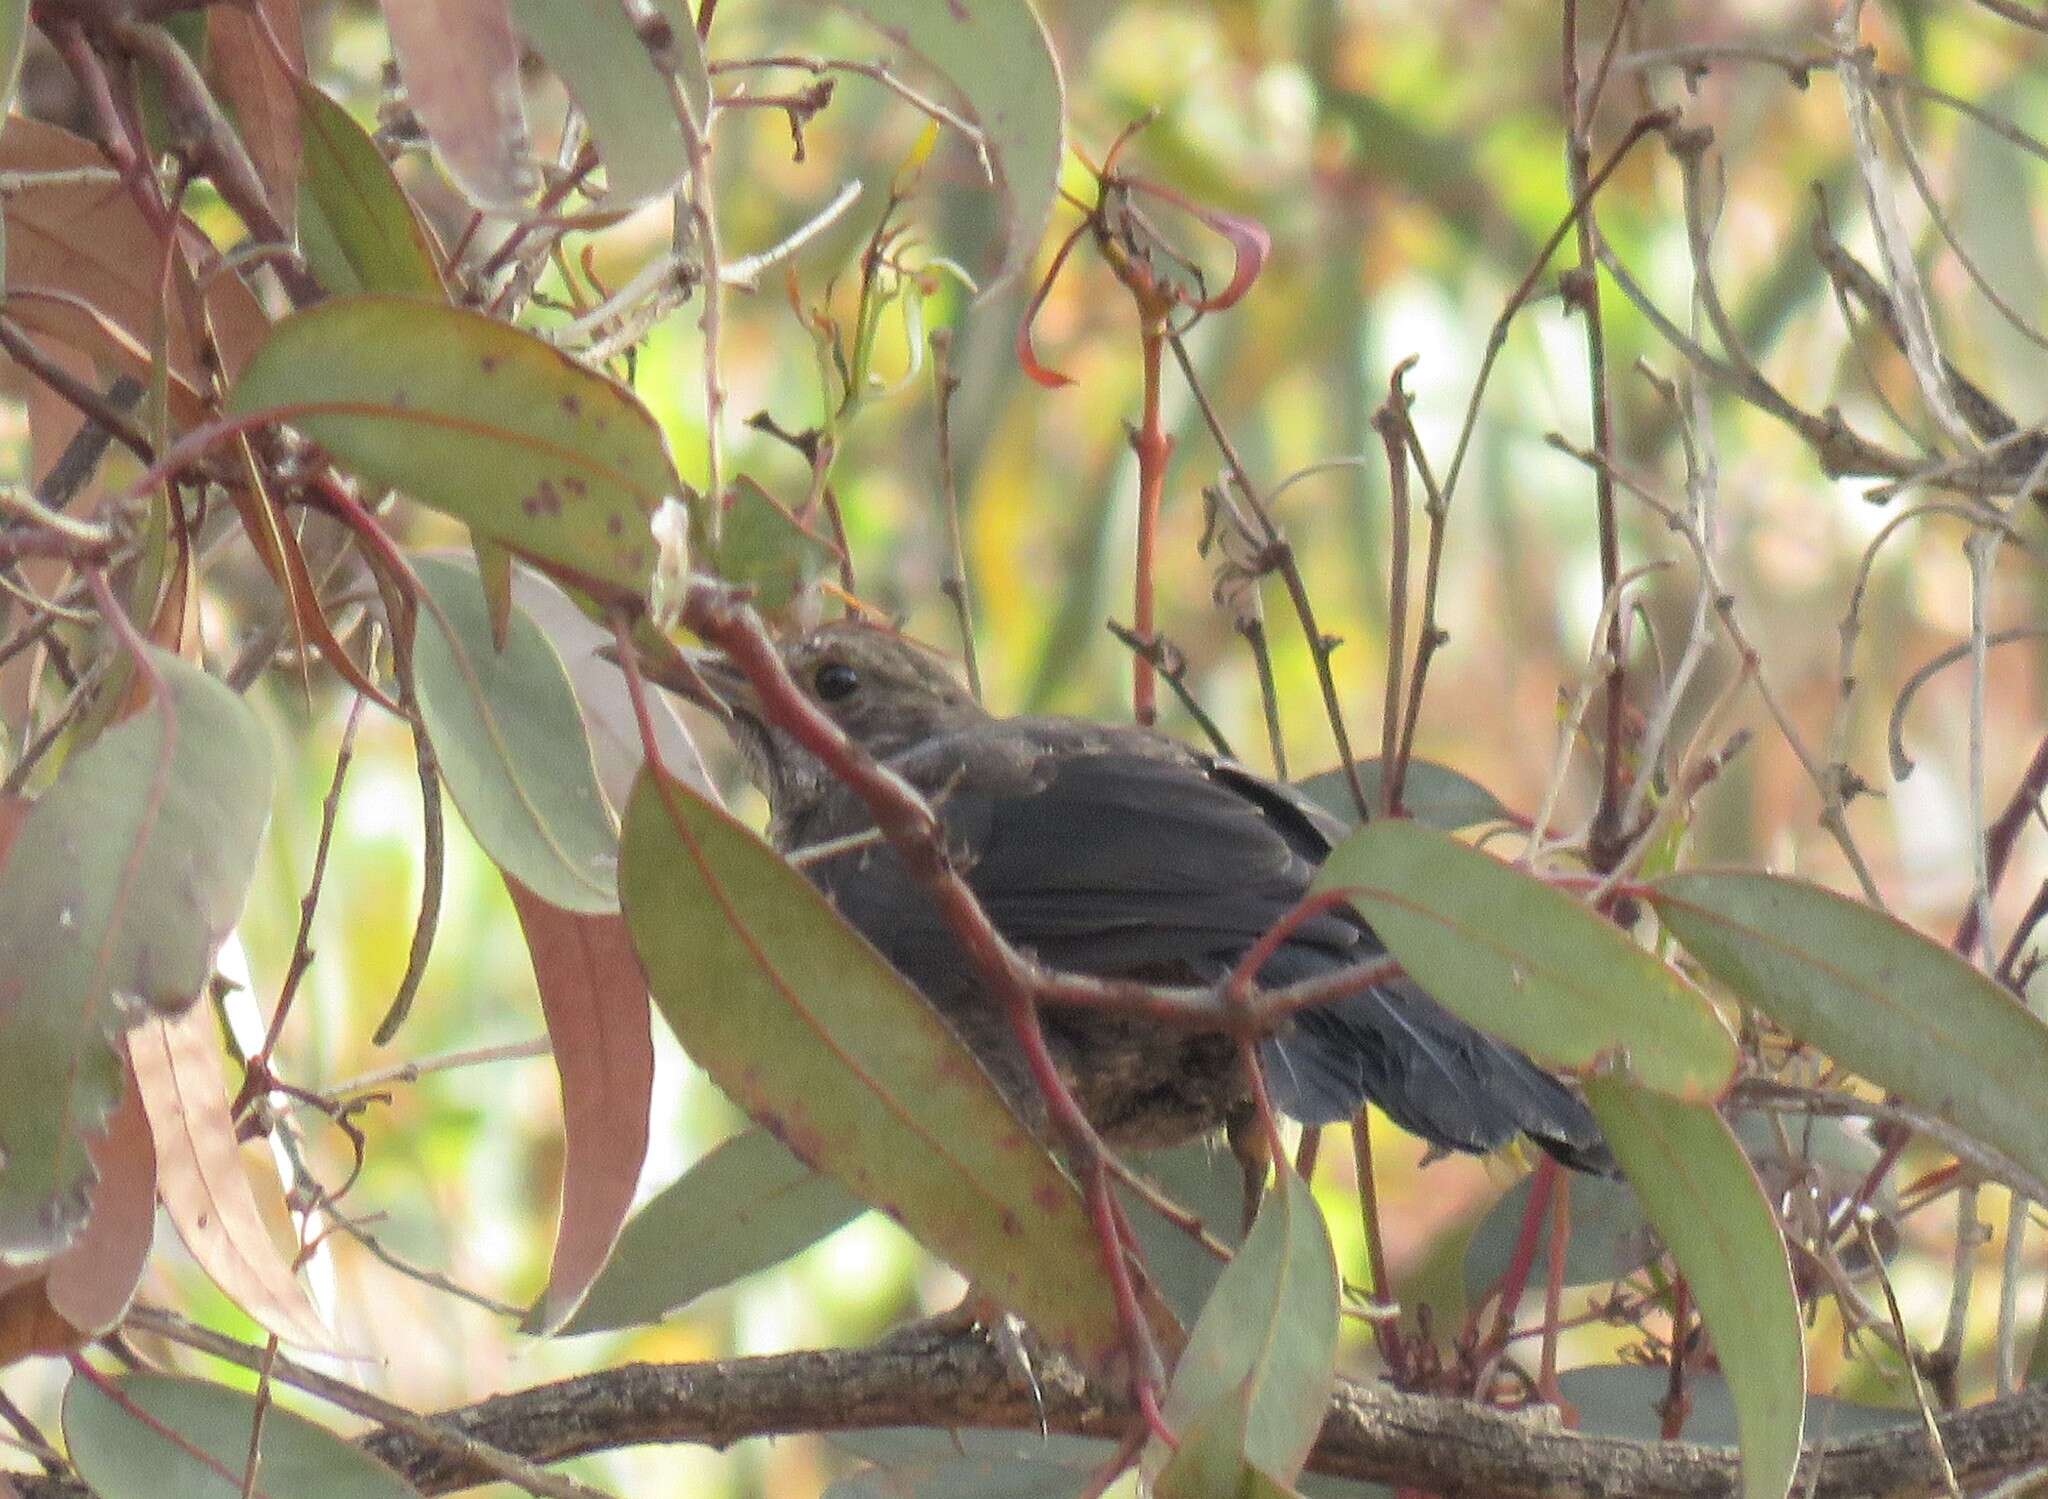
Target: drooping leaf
63, 1303
204, 1183
1263, 1353
460, 63
1210, 1462
1430, 793
1707, 1206
1202, 1180
1609, 1237
996, 55
122, 1457
91, 1283
357, 226
1878, 997
83, 269
13, 38
612, 77
599, 1022
805, 1025
123, 880
258, 92
744, 1206
1529, 964
506, 729
560, 464
608, 717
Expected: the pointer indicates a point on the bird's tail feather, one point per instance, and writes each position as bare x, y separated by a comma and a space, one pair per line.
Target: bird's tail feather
1431, 1073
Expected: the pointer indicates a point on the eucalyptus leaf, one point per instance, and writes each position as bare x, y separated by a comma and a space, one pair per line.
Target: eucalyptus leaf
123, 880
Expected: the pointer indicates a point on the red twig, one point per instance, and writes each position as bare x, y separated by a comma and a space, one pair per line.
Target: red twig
1516, 1280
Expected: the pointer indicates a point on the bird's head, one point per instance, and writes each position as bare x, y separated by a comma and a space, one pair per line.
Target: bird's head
887, 693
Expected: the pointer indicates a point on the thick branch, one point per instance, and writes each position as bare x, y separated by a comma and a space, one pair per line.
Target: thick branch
930, 1376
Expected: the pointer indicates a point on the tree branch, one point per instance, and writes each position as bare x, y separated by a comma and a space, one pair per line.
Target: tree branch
934, 1376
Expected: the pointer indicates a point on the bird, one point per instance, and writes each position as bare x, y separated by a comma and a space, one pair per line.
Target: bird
1115, 851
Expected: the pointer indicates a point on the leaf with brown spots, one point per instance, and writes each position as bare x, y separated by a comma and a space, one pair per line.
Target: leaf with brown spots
806, 1026
559, 464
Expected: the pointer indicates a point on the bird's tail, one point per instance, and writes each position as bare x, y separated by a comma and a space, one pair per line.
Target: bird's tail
1431, 1073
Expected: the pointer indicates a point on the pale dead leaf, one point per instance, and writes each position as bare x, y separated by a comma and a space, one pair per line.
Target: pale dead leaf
460, 63
600, 688
202, 1179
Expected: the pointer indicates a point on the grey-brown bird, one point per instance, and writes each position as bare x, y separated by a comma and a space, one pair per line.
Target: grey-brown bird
1117, 852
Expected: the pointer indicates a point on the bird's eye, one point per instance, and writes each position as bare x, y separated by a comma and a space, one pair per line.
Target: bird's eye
835, 680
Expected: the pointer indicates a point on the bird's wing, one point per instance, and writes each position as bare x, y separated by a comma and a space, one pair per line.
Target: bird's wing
1121, 861
1147, 862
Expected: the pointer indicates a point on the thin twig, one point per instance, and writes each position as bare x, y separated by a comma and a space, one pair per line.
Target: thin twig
953, 583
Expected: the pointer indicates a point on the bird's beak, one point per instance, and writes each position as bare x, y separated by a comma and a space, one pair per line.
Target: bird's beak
702, 677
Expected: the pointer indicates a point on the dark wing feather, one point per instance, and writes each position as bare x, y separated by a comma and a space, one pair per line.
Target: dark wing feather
1154, 861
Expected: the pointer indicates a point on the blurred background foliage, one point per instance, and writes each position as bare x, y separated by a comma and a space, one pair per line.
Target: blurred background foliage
1407, 159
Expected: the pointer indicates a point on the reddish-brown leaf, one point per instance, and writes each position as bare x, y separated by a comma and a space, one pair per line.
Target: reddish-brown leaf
599, 1019
82, 267
460, 63
1250, 243
29, 1324
205, 1186
91, 1283
250, 81
52, 423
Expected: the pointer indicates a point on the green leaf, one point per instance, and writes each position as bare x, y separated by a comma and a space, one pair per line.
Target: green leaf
510, 739
356, 225
471, 416
746, 1205
1210, 1461
1431, 793
763, 546
809, 1029
1609, 1237
1699, 1192
996, 54
123, 880
918, 1462
1623, 1400
1886, 1002
1200, 1179
608, 71
122, 1457
1527, 963
13, 38
1266, 1344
